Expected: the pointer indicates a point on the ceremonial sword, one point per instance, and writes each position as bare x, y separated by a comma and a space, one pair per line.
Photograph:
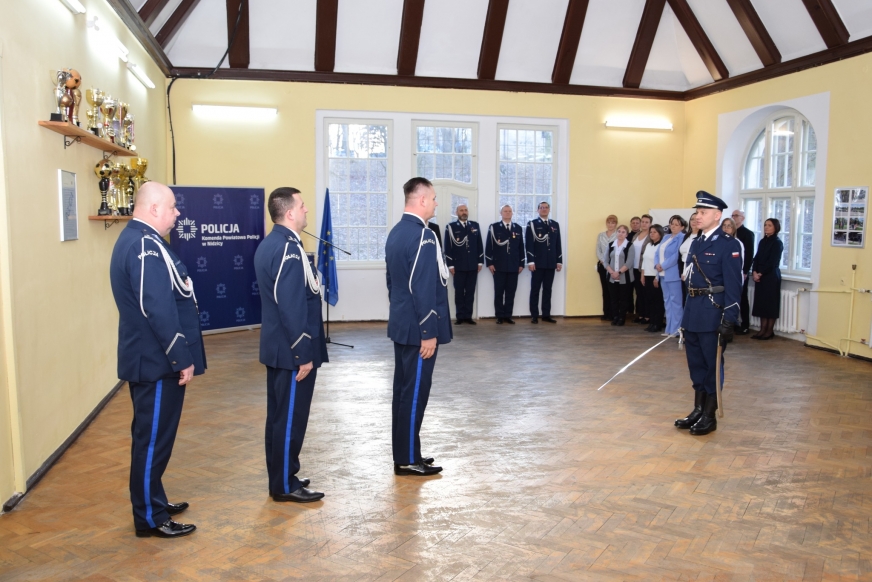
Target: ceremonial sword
639, 357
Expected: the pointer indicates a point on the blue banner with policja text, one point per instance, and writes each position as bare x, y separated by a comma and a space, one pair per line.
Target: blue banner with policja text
216, 234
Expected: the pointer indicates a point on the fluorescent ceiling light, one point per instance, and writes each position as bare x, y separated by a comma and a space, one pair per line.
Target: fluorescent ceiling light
75, 6
140, 74
235, 113
639, 123
109, 39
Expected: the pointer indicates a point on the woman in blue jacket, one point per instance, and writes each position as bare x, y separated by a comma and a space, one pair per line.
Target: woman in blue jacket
670, 276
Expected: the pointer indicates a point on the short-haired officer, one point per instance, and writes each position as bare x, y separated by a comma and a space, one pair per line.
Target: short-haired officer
544, 257
464, 255
160, 349
504, 257
292, 342
419, 321
713, 273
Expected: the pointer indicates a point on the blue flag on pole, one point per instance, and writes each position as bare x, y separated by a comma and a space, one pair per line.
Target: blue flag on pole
326, 259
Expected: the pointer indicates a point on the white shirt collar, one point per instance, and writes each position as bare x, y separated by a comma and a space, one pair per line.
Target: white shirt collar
708, 234
148, 225
507, 225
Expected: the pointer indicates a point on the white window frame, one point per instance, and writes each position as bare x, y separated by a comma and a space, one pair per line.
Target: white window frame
768, 193
555, 170
416, 123
328, 121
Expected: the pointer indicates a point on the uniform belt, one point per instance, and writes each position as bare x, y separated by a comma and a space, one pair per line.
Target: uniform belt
705, 291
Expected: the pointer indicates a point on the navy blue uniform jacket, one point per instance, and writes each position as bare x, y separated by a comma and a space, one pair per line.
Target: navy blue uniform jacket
463, 247
546, 254
720, 258
158, 328
419, 300
291, 333
505, 258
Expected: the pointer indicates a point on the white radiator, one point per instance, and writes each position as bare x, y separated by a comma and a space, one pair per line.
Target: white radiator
787, 323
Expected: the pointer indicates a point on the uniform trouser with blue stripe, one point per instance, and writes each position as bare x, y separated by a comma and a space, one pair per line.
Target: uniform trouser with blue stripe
672, 304
157, 407
464, 293
505, 285
412, 378
702, 351
287, 416
543, 278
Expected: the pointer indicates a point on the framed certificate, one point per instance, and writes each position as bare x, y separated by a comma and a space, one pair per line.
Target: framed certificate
69, 205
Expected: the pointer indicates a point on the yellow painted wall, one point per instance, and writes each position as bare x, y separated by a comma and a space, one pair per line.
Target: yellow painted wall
850, 150
64, 321
611, 171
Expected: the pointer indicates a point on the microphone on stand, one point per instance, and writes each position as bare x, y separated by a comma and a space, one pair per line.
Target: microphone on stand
327, 242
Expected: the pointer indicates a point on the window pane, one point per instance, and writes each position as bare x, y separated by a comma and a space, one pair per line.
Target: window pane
507, 178
508, 144
463, 169
338, 175
463, 140
782, 152
425, 166
543, 179
378, 209
444, 140
754, 163
529, 174
378, 176
443, 167
805, 227
753, 218
358, 175
780, 208
425, 139
809, 154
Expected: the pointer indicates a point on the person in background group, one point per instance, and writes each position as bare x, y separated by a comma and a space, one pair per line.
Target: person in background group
464, 255
691, 233
650, 280
620, 268
544, 258
602, 256
640, 309
746, 237
504, 257
635, 228
766, 269
729, 227
670, 276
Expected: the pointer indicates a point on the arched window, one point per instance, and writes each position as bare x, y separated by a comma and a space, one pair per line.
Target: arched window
778, 182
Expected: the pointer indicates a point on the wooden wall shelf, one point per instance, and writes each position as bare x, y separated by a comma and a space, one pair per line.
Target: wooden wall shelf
110, 219
79, 135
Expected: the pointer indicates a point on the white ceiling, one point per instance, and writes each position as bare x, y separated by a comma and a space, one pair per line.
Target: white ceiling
368, 31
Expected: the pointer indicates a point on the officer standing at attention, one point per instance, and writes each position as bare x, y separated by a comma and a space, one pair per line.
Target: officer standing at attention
714, 287
292, 343
419, 321
504, 257
160, 349
544, 257
464, 255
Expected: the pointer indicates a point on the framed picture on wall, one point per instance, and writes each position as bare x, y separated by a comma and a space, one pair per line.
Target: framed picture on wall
849, 217
68, 205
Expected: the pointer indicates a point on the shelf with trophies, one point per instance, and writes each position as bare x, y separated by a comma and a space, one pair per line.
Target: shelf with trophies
110, 127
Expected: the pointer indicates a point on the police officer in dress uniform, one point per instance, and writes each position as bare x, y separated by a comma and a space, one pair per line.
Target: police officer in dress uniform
504, 257
292, 342
713, 273
419, 321
544, 257
464, 255
160, 349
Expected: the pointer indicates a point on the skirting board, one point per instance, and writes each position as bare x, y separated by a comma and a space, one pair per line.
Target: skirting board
53, 458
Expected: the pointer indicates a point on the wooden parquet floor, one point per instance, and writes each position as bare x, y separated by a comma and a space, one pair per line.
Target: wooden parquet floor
545, 477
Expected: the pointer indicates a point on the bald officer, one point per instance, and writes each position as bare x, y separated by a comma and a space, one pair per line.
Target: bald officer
419, 321
504, 257
292, 343
544, 257
713, 273
464, 255
160, 349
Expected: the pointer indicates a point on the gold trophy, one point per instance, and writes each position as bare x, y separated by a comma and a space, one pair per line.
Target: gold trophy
120, 114
95, 99
127, 132
139, 166
74, 80
131, 137
129, 173
103, 169
108, 109
59, 78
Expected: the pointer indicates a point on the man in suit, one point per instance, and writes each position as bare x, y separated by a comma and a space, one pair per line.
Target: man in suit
714, 288
292, 343
746, 237
160, 349
504, 257
464, 255
419, 321
544, 257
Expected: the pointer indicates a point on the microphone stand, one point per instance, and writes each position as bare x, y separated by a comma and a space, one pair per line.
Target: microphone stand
327, 339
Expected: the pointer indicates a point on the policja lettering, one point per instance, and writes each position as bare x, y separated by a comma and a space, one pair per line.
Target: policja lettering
219, 228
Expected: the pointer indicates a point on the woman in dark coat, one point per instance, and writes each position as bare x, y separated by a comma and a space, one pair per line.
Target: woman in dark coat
767, 279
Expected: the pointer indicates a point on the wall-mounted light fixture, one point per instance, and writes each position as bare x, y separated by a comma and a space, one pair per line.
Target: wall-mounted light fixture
140, 74
75, 6
108, 39
235, 113
623, 122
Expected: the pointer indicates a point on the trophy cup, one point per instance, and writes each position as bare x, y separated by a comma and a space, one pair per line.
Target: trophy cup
108, 108
126, 122
59, 78
120, 114
74, 80
130, 173
131, 133
103, 169
95, 99
139, 166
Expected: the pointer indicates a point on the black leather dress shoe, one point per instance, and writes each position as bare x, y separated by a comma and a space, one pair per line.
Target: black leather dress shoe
459, 321
301, 495
177, 508
549, 319
418, 470
707, 422
534, 320
471, 321
168, 529
510, 320
688, 421
428, 460
499, 321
